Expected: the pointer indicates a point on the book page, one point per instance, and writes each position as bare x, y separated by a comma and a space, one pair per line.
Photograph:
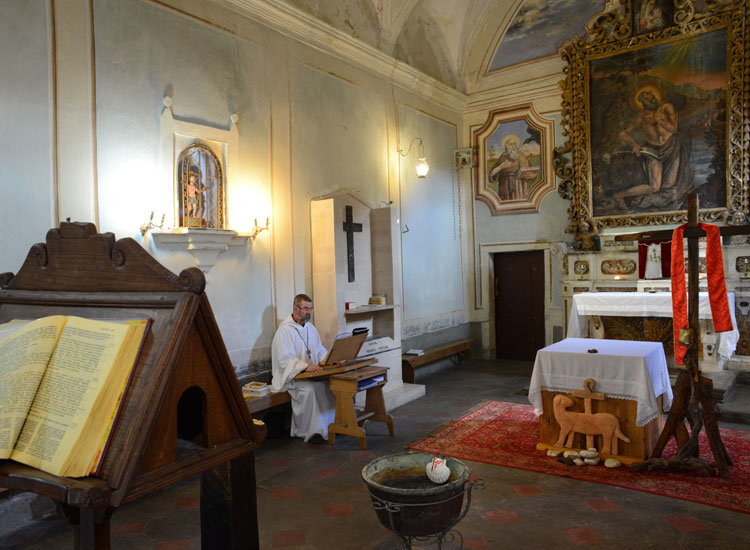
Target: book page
76, 373
24, 355
130, 353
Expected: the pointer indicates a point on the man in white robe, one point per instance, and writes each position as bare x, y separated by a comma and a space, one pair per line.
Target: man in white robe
297, 348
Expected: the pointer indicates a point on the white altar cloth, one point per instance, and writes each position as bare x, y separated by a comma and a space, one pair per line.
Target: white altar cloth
644, 304
622, 369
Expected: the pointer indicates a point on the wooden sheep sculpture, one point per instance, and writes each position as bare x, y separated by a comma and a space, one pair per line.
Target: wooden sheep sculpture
605, 424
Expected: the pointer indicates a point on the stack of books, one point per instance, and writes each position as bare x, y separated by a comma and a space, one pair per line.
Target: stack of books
252, 390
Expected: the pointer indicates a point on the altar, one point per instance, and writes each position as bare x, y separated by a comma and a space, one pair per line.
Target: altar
633, 377
717, 348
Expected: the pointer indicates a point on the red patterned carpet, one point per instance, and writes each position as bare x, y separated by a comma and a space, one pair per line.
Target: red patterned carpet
506, 434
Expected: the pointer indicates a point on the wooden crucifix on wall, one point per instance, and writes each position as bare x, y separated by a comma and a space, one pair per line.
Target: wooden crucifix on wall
350, 228
692, 397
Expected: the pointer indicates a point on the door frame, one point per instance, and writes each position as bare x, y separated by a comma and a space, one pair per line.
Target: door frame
487, 269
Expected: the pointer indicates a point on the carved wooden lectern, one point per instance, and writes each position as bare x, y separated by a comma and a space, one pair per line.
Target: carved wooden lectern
183, 412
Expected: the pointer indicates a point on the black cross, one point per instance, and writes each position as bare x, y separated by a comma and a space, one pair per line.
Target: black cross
350, 228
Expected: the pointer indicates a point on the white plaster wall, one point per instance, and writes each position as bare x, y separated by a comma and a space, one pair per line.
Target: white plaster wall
142, 53
309, 124
431, 249
338, 141
26, 140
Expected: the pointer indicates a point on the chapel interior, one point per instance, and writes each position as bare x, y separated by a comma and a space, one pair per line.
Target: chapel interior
237, 136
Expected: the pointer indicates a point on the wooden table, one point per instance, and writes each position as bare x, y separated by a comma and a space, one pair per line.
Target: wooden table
345, 386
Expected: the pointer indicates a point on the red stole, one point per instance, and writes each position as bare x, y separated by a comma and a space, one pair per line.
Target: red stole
717, 290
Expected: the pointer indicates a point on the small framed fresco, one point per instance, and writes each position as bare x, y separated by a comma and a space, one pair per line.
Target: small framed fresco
514, 150
651, 15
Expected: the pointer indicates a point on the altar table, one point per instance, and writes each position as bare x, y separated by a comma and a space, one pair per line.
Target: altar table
632, 375
645, 304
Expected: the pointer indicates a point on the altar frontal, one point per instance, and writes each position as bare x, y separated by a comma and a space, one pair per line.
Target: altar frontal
633, 381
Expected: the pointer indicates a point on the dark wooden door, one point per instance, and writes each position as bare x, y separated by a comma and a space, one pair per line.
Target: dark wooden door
519, 304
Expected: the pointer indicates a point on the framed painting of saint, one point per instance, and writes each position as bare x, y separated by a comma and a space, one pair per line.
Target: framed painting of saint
655, 116
658, 126
514, 149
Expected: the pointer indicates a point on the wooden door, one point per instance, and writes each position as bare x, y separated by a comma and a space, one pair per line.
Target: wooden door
519, 304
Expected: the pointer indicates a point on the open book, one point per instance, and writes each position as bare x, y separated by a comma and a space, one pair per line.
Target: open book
61, 383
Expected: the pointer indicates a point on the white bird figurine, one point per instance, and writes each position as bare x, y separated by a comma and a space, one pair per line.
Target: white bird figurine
437, 470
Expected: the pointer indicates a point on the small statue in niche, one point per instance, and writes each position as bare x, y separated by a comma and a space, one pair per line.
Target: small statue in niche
200, 188
195, 193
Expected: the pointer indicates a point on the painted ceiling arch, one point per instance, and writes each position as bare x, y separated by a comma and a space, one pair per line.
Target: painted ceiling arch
457, 42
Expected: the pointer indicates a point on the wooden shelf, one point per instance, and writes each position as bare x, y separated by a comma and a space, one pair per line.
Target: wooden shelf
368, 309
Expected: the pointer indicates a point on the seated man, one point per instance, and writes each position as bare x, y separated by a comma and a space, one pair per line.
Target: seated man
296, 348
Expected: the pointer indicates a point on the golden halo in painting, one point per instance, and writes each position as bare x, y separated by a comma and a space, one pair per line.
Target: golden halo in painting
657, 92
510, 137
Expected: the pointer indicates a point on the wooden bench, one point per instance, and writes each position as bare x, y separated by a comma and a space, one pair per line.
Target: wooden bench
258, 404
454, 350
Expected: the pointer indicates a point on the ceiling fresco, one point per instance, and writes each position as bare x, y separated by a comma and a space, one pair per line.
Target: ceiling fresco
555, 20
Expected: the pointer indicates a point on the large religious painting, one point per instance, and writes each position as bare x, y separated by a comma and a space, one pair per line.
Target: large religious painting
653, 107
658, 126
514, 149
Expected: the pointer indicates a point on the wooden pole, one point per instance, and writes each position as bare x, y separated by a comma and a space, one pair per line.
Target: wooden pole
692, 399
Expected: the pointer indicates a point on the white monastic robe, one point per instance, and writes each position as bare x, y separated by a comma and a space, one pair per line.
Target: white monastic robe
313, 405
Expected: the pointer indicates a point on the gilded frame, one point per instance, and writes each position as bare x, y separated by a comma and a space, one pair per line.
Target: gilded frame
609, 35
514, 152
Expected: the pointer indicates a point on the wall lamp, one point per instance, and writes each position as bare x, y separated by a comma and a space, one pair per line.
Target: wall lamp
258, 228
147, 226
422, 167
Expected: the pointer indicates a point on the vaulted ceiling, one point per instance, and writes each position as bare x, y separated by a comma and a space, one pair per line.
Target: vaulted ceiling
454, 41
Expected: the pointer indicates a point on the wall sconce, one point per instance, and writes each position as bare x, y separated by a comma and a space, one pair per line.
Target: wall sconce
146, 226
257, 228
422, 167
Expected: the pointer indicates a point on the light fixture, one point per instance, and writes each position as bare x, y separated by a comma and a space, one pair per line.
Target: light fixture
147, 226
422, 167
258, 228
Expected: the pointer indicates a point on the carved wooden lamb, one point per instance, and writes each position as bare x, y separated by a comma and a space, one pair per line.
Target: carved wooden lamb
605, 424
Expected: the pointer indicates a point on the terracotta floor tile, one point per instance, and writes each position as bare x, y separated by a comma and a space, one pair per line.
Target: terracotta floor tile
502, 517
581, 535
687, 524
326, 473
361, 456
188, 503
283, 494
175, 545
601, 504
283, 463
131, 528
527, 490
288, 538
476, 544
336, 510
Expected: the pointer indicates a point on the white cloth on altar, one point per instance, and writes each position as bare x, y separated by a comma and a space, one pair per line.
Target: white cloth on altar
313, 405
644, 304
622, 369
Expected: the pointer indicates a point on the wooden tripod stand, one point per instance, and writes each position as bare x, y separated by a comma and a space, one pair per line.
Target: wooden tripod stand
692, 397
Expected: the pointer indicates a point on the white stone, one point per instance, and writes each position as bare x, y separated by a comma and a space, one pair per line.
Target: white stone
572, 454
612, 463
590, 453
578, 462
592, 461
